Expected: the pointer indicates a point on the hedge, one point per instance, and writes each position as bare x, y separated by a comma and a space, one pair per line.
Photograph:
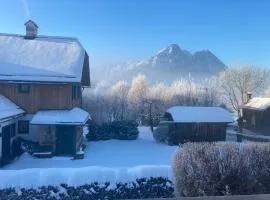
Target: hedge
141, 188
122, 130
222, 168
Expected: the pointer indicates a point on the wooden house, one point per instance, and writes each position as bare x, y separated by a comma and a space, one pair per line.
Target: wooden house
182, 124
44, 76
256, 114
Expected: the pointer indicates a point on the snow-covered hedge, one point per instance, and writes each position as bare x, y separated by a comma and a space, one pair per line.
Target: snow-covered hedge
122, 130
139, 189
222, 169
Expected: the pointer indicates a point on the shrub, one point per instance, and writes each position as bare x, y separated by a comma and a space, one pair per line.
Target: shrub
222, 169
93, 130
125, 130
122, 130
141, 188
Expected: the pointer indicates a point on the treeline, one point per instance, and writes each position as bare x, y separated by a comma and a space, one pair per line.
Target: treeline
123, 101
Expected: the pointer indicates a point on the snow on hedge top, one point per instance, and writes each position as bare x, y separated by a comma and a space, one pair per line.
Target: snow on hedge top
258, 103
8, 108
68, 117
200, 114
48, 58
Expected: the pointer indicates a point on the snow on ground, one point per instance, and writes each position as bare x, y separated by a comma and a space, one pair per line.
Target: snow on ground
111, 153
111, 160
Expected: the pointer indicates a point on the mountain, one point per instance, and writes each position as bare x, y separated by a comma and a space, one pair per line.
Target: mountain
177, 59
170, 63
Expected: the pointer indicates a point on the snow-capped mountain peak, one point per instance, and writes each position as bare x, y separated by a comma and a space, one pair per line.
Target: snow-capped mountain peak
173, 61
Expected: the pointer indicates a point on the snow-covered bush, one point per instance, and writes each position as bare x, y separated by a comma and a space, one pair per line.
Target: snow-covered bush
141, 188
122, 130
222, 169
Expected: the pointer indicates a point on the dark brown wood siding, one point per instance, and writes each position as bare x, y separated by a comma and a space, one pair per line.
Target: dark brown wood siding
41, 96
197, 132
257, 120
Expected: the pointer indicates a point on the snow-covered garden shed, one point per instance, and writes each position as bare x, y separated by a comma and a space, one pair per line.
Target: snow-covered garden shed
45, 76
256, 114
182, 124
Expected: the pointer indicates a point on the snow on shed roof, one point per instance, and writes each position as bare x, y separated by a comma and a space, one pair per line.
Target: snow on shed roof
258, 103
64, 56
8, 108
200, 114
75, 116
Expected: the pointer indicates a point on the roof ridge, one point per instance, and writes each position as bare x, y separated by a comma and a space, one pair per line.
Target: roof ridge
40, 36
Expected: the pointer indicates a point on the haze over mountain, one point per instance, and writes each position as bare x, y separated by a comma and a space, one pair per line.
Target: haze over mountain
169, 64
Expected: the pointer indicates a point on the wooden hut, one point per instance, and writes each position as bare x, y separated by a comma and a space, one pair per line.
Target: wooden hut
256, 114
183, 124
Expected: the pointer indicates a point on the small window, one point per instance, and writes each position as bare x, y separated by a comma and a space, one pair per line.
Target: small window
23, 127
24, 88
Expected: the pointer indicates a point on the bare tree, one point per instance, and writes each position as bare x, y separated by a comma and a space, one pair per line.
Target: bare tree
237, 82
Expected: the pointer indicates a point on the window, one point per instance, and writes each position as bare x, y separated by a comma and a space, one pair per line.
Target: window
24, 88
76, 92
23, 127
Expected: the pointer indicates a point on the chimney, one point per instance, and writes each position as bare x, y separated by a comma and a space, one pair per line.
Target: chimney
31, 29
249, 96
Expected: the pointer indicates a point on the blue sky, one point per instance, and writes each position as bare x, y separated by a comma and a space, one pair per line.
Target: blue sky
237, 31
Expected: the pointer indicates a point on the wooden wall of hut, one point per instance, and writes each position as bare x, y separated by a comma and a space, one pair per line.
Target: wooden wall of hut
197, 132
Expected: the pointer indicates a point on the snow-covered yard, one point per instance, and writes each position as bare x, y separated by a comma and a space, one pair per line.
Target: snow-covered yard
111, 153
111, 160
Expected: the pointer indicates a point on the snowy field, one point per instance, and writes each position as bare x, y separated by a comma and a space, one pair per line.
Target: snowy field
111, 160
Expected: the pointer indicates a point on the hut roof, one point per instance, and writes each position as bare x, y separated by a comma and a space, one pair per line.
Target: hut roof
8, 108
200, 114
67, 117
258, 103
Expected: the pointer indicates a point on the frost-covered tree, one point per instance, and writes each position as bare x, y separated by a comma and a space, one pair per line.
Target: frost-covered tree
119, 93
237, 82
209, 93
137, 95
184, 92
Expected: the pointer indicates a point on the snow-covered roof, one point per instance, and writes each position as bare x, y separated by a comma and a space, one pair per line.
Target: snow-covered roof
41, 59
258, 103
200, 114
74, 116
8, 108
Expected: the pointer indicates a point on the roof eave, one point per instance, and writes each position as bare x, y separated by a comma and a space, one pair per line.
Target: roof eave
39, 82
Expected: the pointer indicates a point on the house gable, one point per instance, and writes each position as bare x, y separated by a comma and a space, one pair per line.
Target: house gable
86, 72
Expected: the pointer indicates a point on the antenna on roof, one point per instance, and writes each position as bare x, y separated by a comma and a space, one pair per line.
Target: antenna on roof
31, 29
